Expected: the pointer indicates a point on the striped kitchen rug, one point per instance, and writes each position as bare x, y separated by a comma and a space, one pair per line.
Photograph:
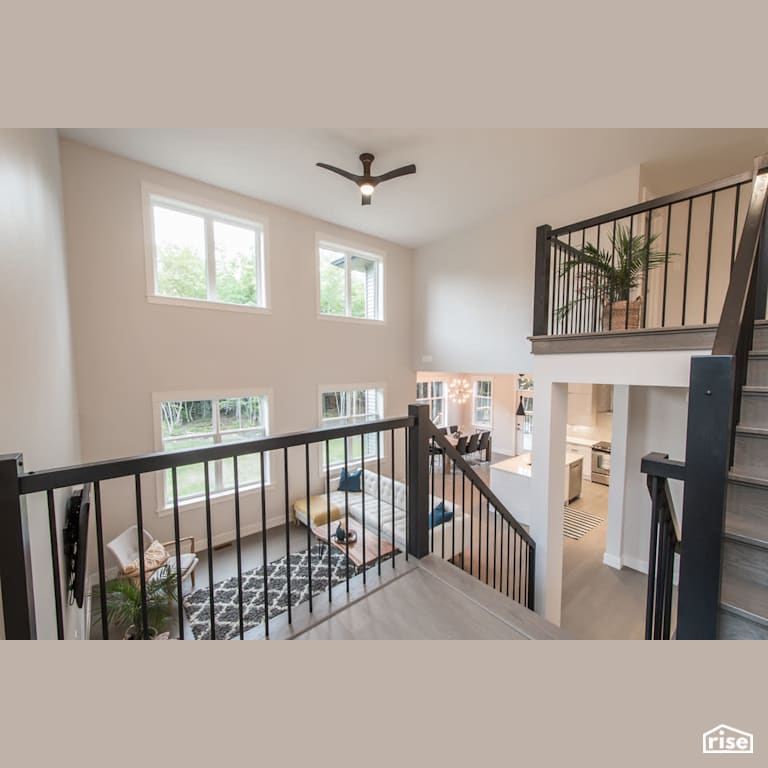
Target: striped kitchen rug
577, 523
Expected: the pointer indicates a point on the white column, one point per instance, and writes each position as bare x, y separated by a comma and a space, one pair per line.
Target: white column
614, 537
548, 488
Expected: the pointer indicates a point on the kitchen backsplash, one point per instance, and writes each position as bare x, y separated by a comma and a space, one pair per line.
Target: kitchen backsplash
600, 431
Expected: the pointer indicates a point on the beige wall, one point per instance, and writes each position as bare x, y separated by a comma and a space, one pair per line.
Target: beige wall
38, 407
126, 349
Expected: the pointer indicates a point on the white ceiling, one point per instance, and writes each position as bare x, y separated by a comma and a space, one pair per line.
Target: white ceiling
462, 177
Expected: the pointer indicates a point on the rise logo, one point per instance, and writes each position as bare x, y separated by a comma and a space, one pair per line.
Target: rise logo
724, 740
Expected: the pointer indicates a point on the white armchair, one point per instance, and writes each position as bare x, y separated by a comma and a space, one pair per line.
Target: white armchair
125, 550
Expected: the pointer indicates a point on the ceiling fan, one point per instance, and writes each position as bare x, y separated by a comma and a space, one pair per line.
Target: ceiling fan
367, 182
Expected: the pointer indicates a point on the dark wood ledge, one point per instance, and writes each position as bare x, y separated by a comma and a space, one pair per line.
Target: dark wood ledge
692, 337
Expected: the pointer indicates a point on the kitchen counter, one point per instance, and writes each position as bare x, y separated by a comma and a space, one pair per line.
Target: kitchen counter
511, 482
585, 441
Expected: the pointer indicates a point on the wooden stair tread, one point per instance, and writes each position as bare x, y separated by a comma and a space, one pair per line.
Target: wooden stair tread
744, 475
752, 431
747, 528
750, 389
744, 598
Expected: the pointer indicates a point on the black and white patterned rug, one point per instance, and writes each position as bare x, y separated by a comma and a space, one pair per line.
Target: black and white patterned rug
225, 597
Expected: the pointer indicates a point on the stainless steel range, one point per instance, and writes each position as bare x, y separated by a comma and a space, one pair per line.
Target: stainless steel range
601, 463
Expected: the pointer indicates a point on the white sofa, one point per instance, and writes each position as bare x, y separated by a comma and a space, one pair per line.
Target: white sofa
370, 493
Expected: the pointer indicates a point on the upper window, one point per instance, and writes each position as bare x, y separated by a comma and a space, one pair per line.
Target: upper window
433, 394
356, 406
204, 255
481, 403
206, 422
350, 282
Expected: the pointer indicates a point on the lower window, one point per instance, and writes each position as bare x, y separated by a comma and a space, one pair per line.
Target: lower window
205, 422
354, 406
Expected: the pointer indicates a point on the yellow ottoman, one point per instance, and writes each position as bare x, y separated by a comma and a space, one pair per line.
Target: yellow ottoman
318, 510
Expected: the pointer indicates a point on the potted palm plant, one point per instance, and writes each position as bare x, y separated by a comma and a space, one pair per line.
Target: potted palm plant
609, 276
123, 599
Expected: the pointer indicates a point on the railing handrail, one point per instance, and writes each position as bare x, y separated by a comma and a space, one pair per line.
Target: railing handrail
479, 483
659, 202
737, 299
65, 477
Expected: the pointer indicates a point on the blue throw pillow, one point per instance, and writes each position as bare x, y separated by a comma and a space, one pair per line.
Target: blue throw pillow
439, 515
350, 481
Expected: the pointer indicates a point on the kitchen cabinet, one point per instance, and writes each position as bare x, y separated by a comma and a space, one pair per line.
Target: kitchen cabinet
585, 401
582, 407
585, 452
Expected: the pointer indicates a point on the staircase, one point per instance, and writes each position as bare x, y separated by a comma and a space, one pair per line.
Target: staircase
744, 586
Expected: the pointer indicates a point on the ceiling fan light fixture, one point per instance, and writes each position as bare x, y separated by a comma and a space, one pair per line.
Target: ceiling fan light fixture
367, 182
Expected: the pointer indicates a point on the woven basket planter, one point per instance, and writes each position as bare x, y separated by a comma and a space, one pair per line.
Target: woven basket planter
617, 318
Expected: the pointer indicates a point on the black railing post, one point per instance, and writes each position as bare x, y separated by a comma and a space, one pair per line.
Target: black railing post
418, 476
761, 294
15, 563
541, 281
707, 459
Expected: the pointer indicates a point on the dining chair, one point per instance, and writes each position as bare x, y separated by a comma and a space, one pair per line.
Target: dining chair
435, 451
482, 446
474, 441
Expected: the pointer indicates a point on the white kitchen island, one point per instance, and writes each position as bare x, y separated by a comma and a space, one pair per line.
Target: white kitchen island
511, 482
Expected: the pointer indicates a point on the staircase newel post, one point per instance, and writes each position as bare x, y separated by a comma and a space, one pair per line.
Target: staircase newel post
418, 475
541, 281
15, 561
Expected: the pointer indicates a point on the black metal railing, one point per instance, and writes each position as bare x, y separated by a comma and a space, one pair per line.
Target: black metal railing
658, 264
665, 544
714, 401
390, 517
483, 538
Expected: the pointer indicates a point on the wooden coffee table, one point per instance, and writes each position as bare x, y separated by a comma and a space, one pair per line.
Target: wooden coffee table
362, 558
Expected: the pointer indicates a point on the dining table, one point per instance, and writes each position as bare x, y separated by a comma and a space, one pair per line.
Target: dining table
454, 440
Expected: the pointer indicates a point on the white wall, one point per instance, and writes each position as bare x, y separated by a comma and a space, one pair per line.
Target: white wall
38, 407
126, 349
473, 291
658, 419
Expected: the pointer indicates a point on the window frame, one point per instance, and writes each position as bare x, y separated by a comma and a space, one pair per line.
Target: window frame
351, 249
198, 502
326, 389
211, 212
431, 398
475, 381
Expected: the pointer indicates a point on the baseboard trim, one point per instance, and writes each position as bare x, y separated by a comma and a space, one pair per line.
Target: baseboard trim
636, 564
613, 561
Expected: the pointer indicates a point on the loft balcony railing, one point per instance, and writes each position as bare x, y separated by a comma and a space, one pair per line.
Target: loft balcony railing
652, 275
486, 532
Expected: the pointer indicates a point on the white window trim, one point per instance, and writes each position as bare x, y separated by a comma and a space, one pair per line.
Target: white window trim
198, 503
428, 400
369, 253
493, 389
335, 468
195, 204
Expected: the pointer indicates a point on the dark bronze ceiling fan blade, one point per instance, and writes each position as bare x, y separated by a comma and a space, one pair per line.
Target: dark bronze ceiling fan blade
404, 171
341, 172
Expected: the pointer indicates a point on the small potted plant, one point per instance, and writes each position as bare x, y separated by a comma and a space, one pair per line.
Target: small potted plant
123, 598
609, 276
